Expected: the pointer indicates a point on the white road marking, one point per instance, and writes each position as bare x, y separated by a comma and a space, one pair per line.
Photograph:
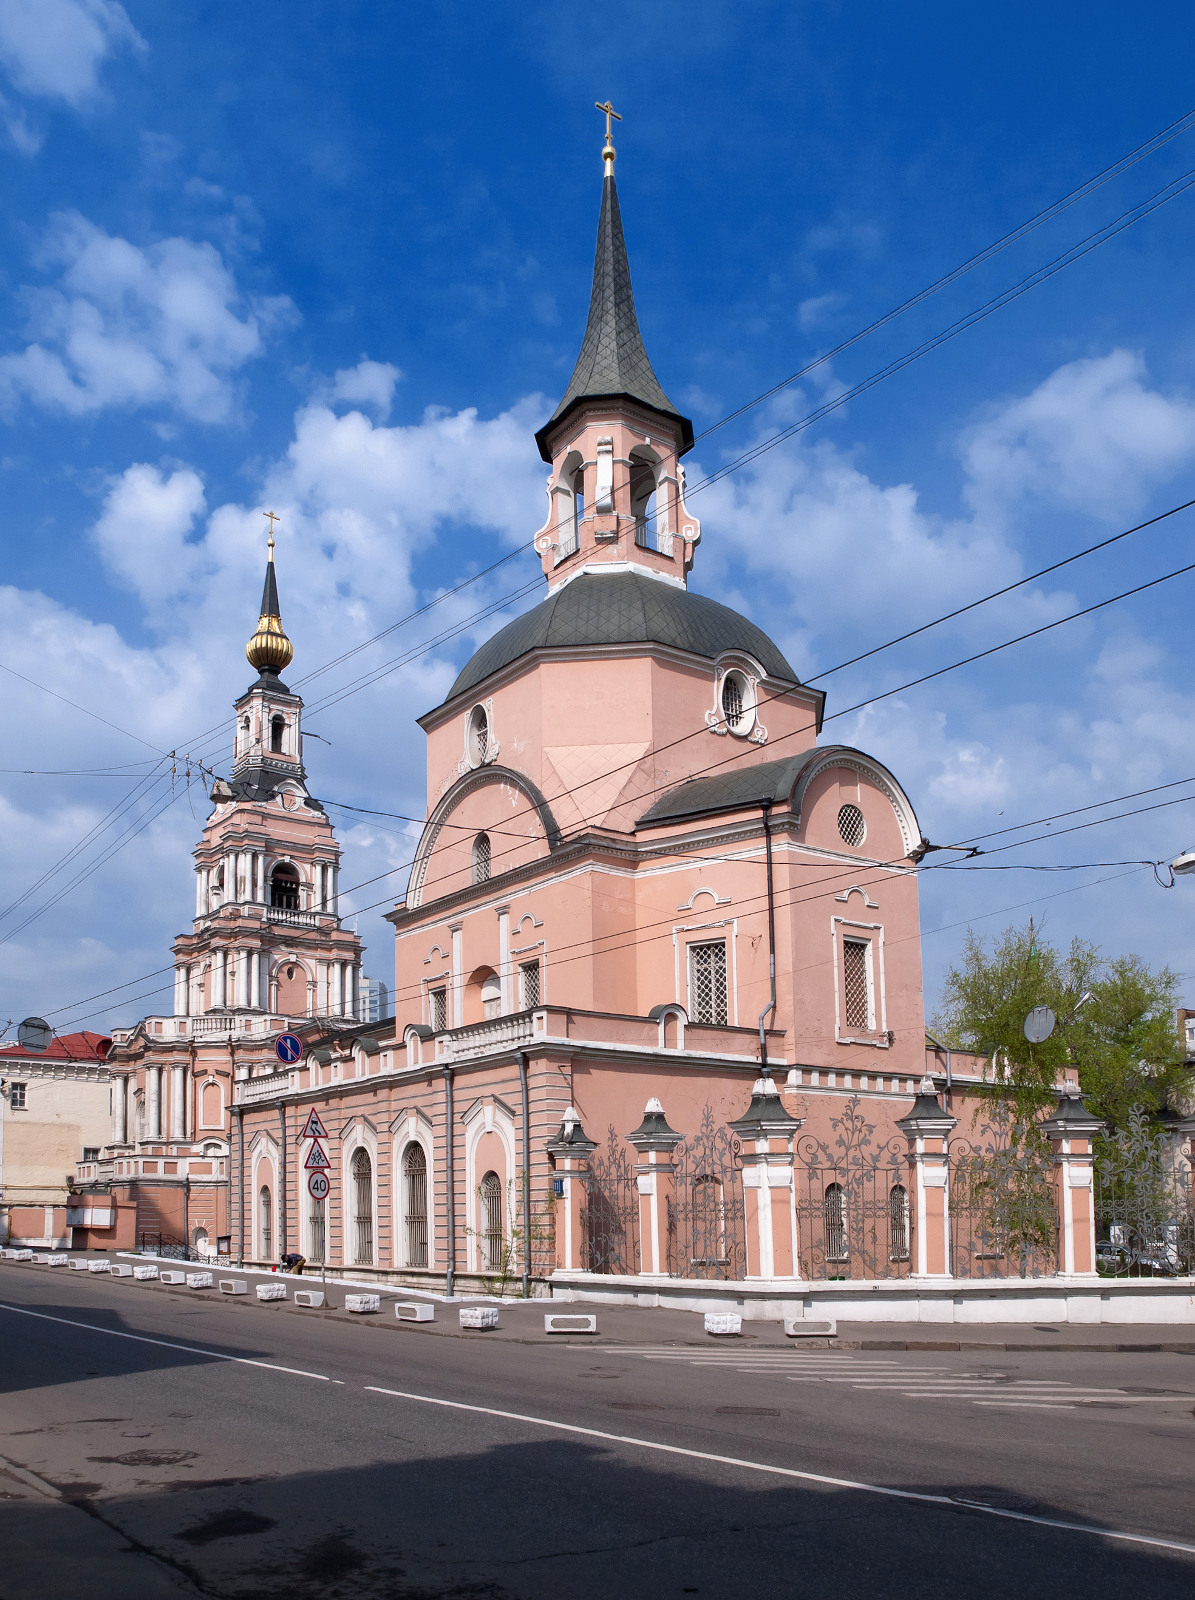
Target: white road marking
941, 1501
168, 1344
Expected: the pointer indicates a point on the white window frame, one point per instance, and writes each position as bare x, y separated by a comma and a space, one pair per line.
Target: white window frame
687, 933
442, 981
871, 934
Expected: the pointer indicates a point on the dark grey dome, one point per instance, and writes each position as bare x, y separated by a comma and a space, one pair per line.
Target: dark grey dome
624, 608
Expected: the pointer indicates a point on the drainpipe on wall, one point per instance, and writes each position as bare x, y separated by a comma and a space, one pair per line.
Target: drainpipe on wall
526, 1176
282, 1184
187, 1218
764, 1069
239, 1113
450, 1175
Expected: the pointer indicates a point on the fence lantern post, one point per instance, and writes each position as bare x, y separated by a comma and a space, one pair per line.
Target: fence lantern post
927, 1127
1070, 1131
655, 1182
766, 1132
570, 1150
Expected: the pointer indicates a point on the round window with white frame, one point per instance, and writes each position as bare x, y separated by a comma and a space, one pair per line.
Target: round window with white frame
736, 700
851, 826
477, 736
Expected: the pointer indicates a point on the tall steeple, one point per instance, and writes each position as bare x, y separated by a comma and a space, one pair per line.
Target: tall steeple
612, 363
269, 650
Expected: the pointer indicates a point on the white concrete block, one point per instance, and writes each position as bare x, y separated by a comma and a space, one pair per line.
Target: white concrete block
199, 1280
361, 1302
76, 1264
810, 1327
723, 1322
233, 1286
415, 1311
168, 1275
313, 1299
58, 1261
479, 1316
562, 1322
98, 1266
120, 1271
271, 1291
145, 1274
20, 1255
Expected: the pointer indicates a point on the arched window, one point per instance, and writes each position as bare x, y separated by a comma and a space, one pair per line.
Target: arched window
491, 1219
284, 888
414, 1168
277, 730
363, 1195
477, 737
481, 858
491, 996
834, 1219
643, 503
217, 891
265, 1224
898, 1223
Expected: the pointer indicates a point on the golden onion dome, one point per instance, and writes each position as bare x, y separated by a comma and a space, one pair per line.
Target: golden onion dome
269, 646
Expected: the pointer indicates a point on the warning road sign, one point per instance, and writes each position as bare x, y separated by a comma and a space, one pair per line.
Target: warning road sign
316, 1160
317, 1185
314, 1128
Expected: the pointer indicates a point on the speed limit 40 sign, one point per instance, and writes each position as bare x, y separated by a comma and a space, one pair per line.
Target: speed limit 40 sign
317, 1185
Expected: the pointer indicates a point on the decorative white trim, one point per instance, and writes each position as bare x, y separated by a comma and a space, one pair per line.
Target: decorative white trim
873, 934
844, 897
718, 899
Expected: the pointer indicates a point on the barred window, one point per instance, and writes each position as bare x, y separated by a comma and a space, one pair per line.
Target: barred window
415, 1172
91, 1152
437, 1000
363, 1193
707, 982
265, 1223
477, 736
481, 858
898, 1223
834, 1222
856, 984
529, 984
851, 826
17, 1097
491, 1219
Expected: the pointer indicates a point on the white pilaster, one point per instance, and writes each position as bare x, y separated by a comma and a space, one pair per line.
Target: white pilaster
321, 988
504, 972
178, 1103
153, 1107
198, 891
336, 972
254, 980
458, 977
219, 983
180, 991
120, 1109
243, 978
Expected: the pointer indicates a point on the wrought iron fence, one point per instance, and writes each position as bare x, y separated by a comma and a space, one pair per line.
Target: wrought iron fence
1003, 1211
1145, 1222
610, 1213
853, 1217
706, 1234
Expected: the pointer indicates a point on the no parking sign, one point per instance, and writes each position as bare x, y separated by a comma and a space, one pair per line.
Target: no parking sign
288, 1047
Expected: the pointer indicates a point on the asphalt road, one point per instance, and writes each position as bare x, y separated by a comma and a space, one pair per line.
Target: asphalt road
164, 1443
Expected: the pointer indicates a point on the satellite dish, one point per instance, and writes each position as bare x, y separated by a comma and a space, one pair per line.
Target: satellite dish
1039, 1024
35, 1035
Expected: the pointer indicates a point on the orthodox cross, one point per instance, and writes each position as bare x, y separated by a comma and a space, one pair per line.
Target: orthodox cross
608, 109
273, 519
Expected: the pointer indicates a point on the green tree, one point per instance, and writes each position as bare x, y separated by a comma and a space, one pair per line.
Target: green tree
1122, 1038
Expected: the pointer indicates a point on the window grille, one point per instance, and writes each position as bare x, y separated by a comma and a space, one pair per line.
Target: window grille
481, 858
478, 736
732, 699
265, 1219
834, 1222
851, 826
898, 1223
707, 982
91, 1152
438, 1009
319, 1243
363, 1187
856, 989
491, 1219
17, 1097
529, 984
415, 1172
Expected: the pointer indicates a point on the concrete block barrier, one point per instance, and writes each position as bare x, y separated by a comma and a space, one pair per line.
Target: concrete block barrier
99, 1266
120, 1271
313, 1299
20, 1255
145, 1274
199, 1280
361, 1302
75, 1264
58, 1261
233, 1286
723, 1322
271, 1291
565, 1322
414, 1311
479, 1316
170, 1276
810, 1327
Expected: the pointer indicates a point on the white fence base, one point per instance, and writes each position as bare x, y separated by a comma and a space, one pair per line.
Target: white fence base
974, 1301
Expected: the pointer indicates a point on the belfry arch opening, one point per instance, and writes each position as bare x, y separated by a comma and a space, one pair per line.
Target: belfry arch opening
643, 500
284, 887
277, 734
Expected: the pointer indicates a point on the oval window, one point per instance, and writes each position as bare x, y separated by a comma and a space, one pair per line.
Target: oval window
737, 708
852, 826
477, 736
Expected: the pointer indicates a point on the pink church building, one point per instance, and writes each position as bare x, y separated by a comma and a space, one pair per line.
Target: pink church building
657, 988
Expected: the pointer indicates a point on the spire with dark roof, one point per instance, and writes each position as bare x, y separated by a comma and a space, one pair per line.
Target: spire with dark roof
613, 362
270, 650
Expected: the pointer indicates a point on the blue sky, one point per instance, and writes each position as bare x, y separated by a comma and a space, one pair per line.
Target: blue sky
336, 260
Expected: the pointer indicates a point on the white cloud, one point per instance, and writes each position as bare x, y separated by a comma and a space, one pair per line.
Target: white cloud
55, 48
142, 533
813, 313
1091, 436
164, 326
369, 383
